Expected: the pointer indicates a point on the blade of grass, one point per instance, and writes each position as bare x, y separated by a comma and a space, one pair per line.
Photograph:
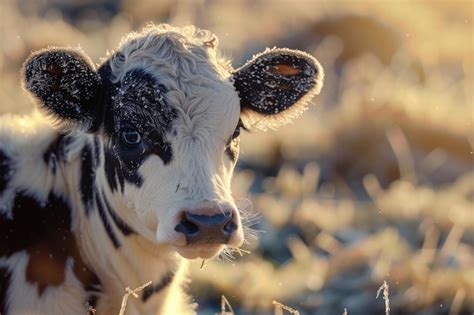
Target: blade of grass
134, 293
280, 307
224, 306
384, 288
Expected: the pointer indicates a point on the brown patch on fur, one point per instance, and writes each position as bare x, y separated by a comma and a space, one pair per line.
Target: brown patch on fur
45, 267
48, 263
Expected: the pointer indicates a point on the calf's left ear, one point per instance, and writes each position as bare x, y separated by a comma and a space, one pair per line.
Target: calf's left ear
276, 86
66, 85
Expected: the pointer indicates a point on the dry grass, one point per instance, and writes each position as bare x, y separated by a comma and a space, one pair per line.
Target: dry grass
279, 308
132, 292
384, 288
128, 292
226, 308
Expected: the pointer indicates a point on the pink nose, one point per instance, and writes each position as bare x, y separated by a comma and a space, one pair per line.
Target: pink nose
207, 229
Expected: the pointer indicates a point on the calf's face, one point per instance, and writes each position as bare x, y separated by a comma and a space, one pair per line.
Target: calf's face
166, 114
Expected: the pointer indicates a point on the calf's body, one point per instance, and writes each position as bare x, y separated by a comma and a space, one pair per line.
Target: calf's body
57, 255
125, 174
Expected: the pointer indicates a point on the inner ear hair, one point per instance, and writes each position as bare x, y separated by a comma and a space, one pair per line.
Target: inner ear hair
65, 83
275, 86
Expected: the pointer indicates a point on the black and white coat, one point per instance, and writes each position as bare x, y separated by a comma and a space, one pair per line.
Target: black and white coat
125, 172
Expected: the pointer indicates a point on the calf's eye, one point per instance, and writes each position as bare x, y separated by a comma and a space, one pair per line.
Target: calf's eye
131, 137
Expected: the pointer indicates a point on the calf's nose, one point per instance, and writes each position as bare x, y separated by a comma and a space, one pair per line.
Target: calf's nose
208, 229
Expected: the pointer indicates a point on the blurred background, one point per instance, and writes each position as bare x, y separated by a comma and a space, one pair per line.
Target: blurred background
375, 182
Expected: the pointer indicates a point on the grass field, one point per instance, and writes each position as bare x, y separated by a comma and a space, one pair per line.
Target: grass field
374, 183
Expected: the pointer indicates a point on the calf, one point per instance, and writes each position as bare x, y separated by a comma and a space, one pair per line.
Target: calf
136, 179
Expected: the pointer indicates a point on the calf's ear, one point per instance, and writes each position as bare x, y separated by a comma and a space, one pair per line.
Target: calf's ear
276, 86
65, 84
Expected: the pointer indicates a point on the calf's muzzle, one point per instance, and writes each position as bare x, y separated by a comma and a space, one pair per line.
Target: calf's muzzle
207, 229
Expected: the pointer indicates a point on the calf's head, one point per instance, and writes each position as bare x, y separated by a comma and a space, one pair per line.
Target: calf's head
165, 113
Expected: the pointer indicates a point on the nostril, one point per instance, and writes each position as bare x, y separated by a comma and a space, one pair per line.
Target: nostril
230, 227
187, 227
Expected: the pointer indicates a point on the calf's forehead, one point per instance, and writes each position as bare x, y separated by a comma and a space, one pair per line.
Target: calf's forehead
139, 101
164, 76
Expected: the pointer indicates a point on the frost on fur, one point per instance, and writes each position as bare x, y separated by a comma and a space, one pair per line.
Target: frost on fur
65, 83
276, 86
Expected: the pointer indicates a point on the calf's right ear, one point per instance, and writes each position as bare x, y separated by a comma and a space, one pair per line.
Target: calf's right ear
65, 84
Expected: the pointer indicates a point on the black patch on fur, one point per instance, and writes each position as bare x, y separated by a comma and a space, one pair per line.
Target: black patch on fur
105, 115
88, 174
44, 231
65, 82
113, 169
140, 101
56, 151
94, 285
155, 144
91, 157
157, 287
5, 277
6, 171
97, 151
232, 146
274, 81
33, 222
94, 289
103, 217
123, 227
231, 152
137, 103
91, 303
